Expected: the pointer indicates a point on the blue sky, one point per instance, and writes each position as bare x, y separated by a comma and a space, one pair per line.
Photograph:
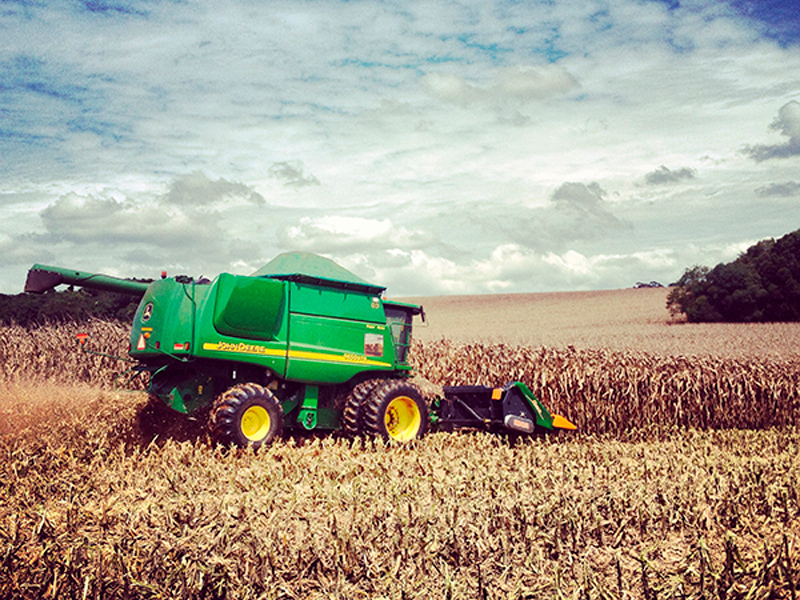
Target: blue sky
435, 148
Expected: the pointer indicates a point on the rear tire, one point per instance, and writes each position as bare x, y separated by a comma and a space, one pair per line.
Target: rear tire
247, 414
395, 410
352, 420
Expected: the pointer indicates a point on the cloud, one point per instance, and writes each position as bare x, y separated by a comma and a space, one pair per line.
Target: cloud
509, 267
196, 189
443, 135
111, 8
577, 216
664, 175
785, 189
90, 219
195, 225
423, 272
292, 174
788, 124
350, 234
510, 86
22, 250
585, 207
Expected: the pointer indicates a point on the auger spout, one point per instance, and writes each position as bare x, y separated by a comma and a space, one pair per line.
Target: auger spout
42, 278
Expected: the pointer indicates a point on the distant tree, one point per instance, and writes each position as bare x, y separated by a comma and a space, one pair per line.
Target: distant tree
68, 305
763, 284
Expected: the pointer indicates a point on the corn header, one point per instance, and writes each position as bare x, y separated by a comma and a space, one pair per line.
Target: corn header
301, 344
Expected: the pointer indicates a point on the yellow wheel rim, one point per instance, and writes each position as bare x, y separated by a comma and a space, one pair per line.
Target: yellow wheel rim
255, 423
402, 419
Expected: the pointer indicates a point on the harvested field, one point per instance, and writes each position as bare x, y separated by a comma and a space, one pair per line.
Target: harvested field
91, 509
682, 482
631, 319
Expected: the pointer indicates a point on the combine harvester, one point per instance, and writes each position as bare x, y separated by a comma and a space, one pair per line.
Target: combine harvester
302, 344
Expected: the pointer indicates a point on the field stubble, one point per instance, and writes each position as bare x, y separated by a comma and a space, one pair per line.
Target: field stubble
661, 495
91, 508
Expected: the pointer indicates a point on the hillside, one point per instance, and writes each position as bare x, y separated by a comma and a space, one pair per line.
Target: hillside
614, 319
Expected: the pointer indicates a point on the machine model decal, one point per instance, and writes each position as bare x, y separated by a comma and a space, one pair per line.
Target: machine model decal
242, 348
346, 358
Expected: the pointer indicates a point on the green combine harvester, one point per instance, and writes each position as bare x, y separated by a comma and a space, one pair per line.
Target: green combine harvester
301, 344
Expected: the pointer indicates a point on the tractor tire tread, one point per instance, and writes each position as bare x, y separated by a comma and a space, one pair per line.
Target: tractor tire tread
373, 410
352, 420
227, 409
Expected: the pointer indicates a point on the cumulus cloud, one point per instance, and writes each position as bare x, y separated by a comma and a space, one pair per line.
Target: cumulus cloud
664, 175
586, 207
787, 123
424, 272
22, 250
292, 174
188, 226
513, 86
785, 189
196, 189
576, 214
349, 234
507, 267
82, 219
403, 104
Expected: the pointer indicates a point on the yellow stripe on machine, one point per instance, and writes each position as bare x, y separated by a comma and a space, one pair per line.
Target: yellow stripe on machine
352, 359
242, 348
255, 349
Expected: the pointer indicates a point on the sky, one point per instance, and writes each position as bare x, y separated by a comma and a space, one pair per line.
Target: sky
432, 147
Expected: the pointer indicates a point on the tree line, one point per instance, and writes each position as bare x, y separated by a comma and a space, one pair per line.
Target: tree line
762, 285
69, 305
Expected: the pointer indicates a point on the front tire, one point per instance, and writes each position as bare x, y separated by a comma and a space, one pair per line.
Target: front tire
247, 414
395, 410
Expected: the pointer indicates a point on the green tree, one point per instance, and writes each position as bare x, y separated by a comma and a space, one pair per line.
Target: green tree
763, 284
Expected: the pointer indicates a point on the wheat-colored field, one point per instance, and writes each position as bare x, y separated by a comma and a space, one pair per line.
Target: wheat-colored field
629, 319
92, 508
681, 483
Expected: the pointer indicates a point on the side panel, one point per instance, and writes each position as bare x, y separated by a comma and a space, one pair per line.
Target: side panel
351, 305
263, 343
249, 307
163, 323
336, 334
328, 350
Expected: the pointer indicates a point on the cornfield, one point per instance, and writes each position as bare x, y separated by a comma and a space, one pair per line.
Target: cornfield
600, 390
52, 352
682, 483
608, 391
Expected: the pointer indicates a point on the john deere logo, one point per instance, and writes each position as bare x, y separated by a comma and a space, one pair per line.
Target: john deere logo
147, 312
